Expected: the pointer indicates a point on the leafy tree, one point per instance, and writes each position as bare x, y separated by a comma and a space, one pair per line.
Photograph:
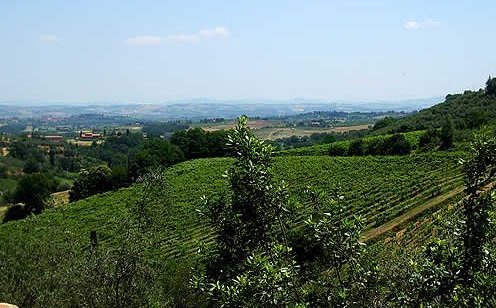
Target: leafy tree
91, 182
338, 276
396, 145
491, 86
475, 118
197, 143
387, 121
252, 263
429, 140
31, 166
479, 169
19, 150
356, 148
33, 190
447, 133
153, 153
15, 212
52, 156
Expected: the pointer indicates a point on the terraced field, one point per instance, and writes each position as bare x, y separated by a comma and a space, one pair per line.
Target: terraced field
378, 188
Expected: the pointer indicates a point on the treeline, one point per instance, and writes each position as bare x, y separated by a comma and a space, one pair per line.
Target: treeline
294, 142
38, 157
397, 144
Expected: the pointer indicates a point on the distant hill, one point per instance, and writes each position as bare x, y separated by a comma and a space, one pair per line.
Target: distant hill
196, 109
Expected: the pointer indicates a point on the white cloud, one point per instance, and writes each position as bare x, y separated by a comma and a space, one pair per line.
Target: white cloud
410, 25
429, 23
182, 38
144, 40
217, 32
48, 39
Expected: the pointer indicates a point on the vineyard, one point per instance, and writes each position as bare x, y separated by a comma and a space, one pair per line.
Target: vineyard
377, 188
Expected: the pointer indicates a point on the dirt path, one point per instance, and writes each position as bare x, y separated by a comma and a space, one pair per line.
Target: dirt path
395, 222
61, 197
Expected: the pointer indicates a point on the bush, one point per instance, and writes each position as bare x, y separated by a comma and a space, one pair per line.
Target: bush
356, 148
15, 212
429, 140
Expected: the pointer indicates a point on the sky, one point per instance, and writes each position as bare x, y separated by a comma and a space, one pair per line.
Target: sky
159, 51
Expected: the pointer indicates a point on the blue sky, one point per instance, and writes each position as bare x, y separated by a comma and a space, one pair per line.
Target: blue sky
157, 51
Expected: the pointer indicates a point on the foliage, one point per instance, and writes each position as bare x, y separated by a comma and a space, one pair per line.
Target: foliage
157, 129
338, 277
15, 212
31, 166
429, 140
33, 190
491, 86
91, 182
254, 264
459, 269
251, 259
446, 134
154, 153
389, 144
385, 122
198, 143
469, 110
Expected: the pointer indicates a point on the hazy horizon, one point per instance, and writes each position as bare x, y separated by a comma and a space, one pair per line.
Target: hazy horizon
154, 51
207, 100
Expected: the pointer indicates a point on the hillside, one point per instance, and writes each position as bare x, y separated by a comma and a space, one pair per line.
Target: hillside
468, 110
378, 188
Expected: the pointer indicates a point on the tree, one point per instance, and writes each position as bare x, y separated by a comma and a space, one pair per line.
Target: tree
479, 169
338, 275
91, 182
31, 166
252, 264
197, 143
33, 190
429, 140
491, 86
153, 153
446, 134
387, 121
396, 145
52, 156
356, 148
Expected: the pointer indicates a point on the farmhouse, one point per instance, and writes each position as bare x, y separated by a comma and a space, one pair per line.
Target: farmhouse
89, 136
